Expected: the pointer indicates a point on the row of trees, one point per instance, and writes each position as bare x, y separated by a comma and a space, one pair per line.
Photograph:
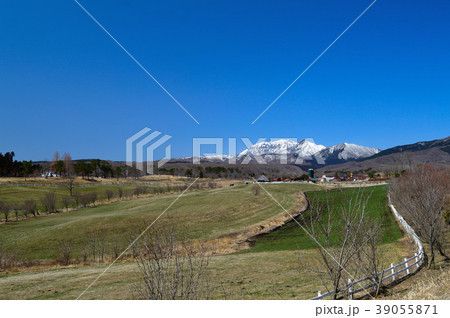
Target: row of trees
13, 168
49, 201
66, 167
422, 196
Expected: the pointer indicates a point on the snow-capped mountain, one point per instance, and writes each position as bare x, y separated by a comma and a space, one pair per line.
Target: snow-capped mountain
345, 152
308, 151
301, 149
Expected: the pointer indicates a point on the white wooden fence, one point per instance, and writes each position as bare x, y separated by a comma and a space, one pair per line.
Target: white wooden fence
389, 275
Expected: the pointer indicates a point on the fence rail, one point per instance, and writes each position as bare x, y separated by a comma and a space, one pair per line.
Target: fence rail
395, 275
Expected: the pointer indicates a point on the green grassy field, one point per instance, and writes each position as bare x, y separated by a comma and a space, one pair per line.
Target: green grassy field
203, 215
19, 194
291, 236
270, 270
265, 275
16, 195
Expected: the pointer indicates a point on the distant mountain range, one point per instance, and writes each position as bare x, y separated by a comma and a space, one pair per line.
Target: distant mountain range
436, 152
307, 152
300, 156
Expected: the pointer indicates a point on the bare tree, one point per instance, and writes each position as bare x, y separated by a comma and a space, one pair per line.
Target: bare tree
76, 200
84, 199
69, 183
49, 202
368, 256
65, 251
16, 211
93, 197
337, 227
5, 208
421, 196
109, 194
29, 207
55, 159
69, 173
171, 269
93, 246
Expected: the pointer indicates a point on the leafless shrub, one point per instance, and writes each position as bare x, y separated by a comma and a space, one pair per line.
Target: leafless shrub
255, 189
5, 208
49, 202
97, 245
422, 195
93, 197
85, 254
368, 255
76, 200
101, 248
66, 202
85, 199
93, 246
140, 190
29, 207
16, 209
65, 251
7, 259
109, 194
119, 193
115, 249
171, 269
212, 185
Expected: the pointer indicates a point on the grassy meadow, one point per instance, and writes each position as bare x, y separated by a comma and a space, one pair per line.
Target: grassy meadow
203, 215
269, 270
291, 236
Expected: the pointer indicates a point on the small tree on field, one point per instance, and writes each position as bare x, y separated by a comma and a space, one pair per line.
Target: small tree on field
65, 251
171, 268
66, 202
49, 202
255, 189
5, 208
422, 197
29, 207
75, 200
109, 194
84, 199
93, 197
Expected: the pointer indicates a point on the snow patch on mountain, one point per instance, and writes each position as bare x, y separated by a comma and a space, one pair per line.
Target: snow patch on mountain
303, 148
307, 150
346, 151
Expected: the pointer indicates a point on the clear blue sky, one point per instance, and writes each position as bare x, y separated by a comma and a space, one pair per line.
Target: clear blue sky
66, 86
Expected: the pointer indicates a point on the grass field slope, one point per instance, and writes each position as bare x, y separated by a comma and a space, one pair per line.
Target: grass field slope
203, 215
292, 237
269, 270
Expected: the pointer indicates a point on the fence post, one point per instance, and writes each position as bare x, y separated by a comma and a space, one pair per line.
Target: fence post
350, 289
319, 294
417, 260
393, 272
406, 266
